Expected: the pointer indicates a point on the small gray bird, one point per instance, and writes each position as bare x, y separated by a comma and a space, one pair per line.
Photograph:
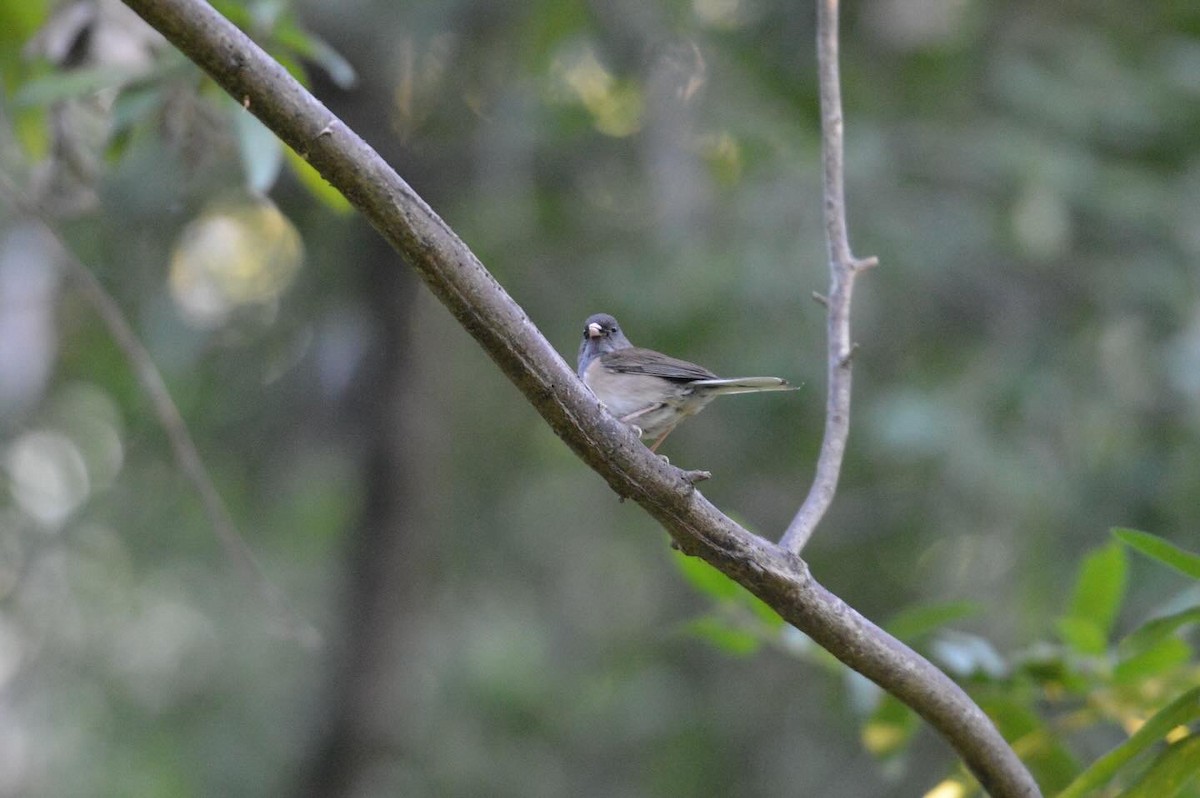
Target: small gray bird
647, 389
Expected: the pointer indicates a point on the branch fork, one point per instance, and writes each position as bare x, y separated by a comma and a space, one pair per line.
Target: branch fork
776, 574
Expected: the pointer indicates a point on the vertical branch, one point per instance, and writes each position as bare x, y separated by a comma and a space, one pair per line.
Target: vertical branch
843, 268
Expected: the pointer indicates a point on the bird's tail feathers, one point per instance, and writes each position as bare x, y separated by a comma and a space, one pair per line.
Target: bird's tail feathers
745, 384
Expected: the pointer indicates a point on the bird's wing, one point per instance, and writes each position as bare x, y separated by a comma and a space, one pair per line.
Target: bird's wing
636, 360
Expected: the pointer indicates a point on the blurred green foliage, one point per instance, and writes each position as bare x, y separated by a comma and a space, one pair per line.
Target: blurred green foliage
1041, 698
1028, 174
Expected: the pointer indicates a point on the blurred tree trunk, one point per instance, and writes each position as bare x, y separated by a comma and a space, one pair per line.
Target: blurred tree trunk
355, 731
354, 723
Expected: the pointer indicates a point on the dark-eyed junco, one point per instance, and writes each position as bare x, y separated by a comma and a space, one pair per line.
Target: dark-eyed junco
647, 389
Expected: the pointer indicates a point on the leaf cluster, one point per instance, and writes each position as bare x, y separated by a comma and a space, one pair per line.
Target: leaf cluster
1084, 681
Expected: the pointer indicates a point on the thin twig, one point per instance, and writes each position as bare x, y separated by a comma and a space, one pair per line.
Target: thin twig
843, 267
182, 446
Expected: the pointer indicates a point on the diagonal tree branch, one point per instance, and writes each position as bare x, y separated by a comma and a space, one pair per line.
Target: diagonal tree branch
843, 268
502, 329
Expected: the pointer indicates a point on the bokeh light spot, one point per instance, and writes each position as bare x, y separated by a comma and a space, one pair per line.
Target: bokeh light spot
234, 255
48, 477
616, 106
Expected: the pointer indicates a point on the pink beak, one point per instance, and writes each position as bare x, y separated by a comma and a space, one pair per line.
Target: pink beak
593, 330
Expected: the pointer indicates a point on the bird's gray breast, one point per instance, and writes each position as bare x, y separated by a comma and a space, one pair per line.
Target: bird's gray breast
650, 402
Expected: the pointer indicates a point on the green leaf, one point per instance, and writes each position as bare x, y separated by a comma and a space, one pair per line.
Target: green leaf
58, 86
261, 151
1013, 717
1154, 630
554, 22
338, 68
235, 12
31, 131
1100, 587
1081, 635
1041, 749
762, 610
1174, 769
706, 579
1095, 601
915, 622
308, 45
1162, 550
19, 21
1168, 654
1182, 710
136, 103
723, 635
316, 185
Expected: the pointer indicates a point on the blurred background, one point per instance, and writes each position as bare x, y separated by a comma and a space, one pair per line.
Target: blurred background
494, 621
